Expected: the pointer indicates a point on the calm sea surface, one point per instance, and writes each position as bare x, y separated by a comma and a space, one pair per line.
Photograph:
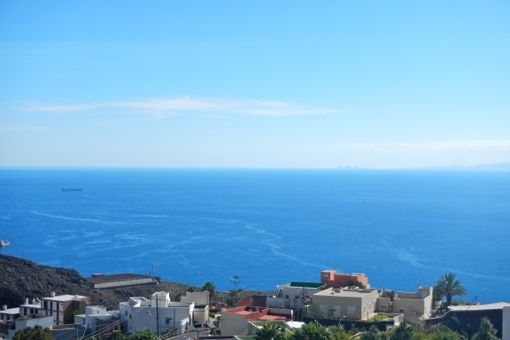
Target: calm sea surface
269, 227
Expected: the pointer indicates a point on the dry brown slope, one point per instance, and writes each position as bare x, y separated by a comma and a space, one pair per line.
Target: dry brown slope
20, 279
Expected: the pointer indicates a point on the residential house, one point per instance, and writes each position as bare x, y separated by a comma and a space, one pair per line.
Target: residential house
7, 318
31, 308
416, 306
236, 321
259, 300
8, 314
62, 308
97, 319
158, 314
344, 303
468, 317
331, 279
25, 322
294, 295
201, 300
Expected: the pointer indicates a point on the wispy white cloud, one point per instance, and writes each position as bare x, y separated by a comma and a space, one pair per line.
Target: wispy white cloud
23, 128
432, 146
59, 108
182, 105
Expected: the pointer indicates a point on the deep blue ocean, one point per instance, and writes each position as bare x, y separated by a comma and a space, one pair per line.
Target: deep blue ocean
269, 227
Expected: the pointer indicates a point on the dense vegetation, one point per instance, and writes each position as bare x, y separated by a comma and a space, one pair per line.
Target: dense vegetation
34, 333
314, 331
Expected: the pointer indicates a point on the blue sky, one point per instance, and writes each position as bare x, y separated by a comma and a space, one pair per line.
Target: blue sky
254, 84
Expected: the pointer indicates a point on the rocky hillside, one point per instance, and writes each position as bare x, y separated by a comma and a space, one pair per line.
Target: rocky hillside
20, 279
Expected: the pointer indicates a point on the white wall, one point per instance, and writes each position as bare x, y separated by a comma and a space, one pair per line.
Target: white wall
45, 322
136, 318
506, 323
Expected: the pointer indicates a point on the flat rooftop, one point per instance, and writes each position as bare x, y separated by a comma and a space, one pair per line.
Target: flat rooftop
101, 278
470, 308
66, 297
10, 311
344, 292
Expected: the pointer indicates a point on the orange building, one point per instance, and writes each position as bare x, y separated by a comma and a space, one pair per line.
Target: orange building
331, 279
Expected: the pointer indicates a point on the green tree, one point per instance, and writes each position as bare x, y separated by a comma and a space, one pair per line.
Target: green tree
373, 333
486, 331
448, 287
445, 334
403, 332
34, 333
337, 333
141, 335
270, 331
311, 331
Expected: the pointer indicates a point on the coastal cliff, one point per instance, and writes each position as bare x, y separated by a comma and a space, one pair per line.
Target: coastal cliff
21, 279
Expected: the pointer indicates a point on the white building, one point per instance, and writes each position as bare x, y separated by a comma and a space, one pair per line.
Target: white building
61, 307
7, 317
31, 308
201, 300
506, 323
8, 314
416, 306
22, 323
293, 295
158, 314
97, 318
344, 303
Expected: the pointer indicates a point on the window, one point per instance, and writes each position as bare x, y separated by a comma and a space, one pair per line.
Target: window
401, 310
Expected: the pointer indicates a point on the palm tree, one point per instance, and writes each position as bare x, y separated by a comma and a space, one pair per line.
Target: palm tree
447, 286
209, 286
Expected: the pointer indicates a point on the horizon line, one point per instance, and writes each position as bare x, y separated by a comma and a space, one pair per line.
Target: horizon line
493, 167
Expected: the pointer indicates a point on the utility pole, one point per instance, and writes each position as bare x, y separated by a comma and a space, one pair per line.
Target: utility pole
235, 280
157, 314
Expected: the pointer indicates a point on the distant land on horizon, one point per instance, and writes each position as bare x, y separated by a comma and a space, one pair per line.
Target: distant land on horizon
477, 167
